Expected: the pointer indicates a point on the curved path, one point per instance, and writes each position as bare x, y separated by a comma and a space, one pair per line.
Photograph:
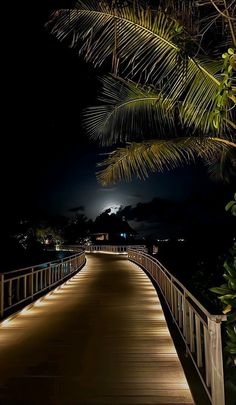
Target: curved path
99, 339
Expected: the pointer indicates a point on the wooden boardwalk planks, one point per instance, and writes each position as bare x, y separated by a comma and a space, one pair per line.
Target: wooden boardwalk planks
100, 339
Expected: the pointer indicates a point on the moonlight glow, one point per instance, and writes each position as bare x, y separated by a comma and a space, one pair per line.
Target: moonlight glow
113, 207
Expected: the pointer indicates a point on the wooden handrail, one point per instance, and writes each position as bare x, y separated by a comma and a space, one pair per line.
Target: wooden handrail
200, 330
45, 264
104, 248
19, 287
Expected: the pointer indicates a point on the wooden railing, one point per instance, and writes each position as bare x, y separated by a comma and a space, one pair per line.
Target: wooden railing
200, 330
104, 248
24, 285
113, 248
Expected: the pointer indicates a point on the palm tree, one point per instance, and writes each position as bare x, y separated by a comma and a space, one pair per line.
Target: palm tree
171, 96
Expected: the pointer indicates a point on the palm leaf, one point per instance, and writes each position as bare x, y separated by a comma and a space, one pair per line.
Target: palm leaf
141, 39
223, 166
200, 102
130, 111
133, 112
145, 50
141, 158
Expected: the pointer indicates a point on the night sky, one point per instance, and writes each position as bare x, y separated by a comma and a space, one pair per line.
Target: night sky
50, 164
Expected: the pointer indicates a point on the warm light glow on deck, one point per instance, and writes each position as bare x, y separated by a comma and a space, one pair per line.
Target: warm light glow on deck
109, 318
24, 311
6, 322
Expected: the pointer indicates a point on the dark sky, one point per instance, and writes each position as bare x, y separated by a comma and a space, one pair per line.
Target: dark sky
50, 164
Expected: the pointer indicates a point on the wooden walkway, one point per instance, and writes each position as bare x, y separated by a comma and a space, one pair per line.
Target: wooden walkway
99, 339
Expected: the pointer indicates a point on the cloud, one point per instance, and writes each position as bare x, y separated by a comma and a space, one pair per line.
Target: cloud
156, 210
76, 209
136, 196
161, 217
104, 190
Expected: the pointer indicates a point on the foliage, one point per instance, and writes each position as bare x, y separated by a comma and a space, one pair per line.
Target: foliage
77, 228
48, 235
231, 206
168, 84
227, 295
141, 158
225, 87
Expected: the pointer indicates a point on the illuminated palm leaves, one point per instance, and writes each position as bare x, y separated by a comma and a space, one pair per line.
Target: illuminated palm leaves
141, 158
142, 41
198, 104
144, 46
130, 112
145, 51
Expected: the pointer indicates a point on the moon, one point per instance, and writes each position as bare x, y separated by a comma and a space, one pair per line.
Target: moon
113, 207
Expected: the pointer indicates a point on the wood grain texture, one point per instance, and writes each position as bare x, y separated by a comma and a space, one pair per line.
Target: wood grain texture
100, 339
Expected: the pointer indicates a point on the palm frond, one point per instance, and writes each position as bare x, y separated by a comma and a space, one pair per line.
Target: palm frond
130, 111
138, 35
200, 101
223, 166
140, 159
133, 112
146, 50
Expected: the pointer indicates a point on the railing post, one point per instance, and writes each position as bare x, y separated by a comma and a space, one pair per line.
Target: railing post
41, 279
172, 294
25, 286
198, 341
18, 289
191, 330
1, 295
31, 285
207, 352
49, 276
10, 293
216, 361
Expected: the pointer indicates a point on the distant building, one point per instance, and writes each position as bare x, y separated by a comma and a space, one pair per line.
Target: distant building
100, 236
112, 228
